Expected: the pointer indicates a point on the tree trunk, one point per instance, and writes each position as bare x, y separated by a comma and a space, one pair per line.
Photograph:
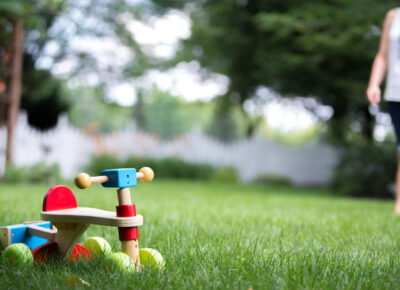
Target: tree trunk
14, 92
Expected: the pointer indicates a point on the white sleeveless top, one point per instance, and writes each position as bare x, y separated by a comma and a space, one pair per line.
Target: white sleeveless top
392, 92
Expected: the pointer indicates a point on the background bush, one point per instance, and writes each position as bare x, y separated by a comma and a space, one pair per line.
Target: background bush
163, 168
272, 179
226, 174
366, 170
37, 173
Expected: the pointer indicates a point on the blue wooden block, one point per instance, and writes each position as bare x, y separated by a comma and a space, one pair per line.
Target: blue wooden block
120, 178
19, 234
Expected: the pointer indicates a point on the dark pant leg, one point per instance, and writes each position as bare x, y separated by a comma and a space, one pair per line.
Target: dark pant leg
394, 111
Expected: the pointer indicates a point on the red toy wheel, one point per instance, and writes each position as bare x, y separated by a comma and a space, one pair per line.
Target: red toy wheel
44, 253
79, 252
48, 251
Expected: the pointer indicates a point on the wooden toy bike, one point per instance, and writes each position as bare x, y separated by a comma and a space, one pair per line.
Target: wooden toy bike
66, 222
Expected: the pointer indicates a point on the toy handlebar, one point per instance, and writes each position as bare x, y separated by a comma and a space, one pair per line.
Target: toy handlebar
84, 180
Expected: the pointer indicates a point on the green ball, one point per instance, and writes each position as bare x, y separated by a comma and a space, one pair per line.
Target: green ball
151, 257
120, 262
98, 246
18, 254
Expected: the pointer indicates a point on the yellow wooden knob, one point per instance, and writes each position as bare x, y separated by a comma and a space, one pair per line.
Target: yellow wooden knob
82, 180
148, 174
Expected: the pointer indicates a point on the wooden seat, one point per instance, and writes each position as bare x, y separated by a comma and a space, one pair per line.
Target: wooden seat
94, 216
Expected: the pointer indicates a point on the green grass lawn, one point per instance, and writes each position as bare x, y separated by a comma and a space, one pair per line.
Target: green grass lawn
215, 235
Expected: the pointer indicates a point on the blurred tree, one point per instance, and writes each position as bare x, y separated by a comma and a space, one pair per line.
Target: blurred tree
170, 116
90, 110
89, 70
139, 112
322, 49
42, 96
41, 92
58, 24
224, 125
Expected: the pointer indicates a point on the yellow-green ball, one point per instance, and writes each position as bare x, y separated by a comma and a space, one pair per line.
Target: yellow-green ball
18, 254
151, 257
120, 262
98, 246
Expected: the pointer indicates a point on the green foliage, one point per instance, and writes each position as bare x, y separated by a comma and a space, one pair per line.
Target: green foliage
29, 11
139, 112
226, 236
88, 106
163, 168
13, 9
39, 88
293, 137
272, 179
322, 49
37, 173
169, 116
156, 112
226, 174
224, 125
366, 170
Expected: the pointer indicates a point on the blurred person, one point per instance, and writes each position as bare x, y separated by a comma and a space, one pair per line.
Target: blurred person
388, 60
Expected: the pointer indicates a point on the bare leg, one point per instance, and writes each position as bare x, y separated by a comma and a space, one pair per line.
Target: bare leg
397, 206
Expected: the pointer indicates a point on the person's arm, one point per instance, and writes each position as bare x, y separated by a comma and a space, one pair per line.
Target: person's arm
380, 63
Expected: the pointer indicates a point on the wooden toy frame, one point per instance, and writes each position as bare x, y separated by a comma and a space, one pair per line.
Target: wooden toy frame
68, 221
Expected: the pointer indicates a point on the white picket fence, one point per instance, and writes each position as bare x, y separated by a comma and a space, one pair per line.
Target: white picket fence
71, 149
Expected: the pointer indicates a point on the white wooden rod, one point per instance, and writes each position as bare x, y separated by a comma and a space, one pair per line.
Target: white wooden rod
99, 179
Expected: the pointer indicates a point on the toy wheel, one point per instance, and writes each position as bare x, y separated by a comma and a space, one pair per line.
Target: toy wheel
18, 254
48, 251
151, 257
98, 246
79, 252
45, 252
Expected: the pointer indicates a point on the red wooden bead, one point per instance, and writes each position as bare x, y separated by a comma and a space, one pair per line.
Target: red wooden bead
127, 234
131, 233
126, 210
59, 197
